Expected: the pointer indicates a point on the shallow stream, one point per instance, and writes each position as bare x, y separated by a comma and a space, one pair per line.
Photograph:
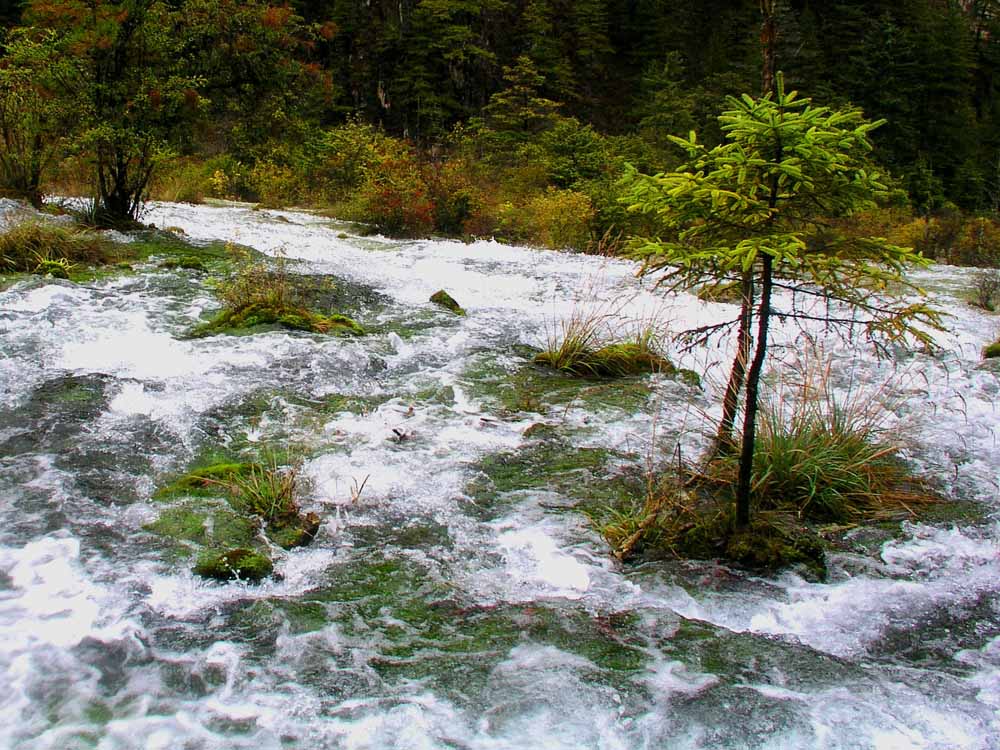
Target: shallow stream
455, 597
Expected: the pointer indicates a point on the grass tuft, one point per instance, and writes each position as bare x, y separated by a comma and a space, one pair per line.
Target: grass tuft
32, 246
586, 345
268, 490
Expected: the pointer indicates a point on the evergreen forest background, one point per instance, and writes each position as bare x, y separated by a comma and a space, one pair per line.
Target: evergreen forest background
506, 118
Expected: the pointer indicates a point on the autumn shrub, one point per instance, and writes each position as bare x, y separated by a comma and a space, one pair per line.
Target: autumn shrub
940, 236
70, 176
394, 197
275, 184
228, 178
985, 289
978, 244
453, 193
556, 219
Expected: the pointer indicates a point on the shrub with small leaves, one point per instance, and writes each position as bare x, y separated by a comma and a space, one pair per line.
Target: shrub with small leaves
557, 219
395, 198
985, 289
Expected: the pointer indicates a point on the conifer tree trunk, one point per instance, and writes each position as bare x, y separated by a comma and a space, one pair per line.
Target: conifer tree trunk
753, 383
767, 39
730, 403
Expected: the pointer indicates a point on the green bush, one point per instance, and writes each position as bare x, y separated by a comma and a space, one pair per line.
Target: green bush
341, 157
556, 219
182, 181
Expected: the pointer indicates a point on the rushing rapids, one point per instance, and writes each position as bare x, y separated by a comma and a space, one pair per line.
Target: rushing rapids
452, 597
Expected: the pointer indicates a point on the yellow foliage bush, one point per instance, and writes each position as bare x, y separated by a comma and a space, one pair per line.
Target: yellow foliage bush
556, 219
276, 184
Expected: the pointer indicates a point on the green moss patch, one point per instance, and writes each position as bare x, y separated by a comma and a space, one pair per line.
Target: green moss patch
582, 475
186, 262
613, 360
209, 480
422, 632
515, 387
992, 351
290, 318
176, 252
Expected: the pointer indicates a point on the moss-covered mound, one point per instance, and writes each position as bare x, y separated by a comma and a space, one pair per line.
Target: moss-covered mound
235, 564
992, 351
772, 542
613, 360
210, 479
293, 529
186, 262
289, 317
445, 300
222, 510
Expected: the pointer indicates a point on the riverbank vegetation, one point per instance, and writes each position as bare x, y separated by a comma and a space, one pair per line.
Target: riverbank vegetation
493, 119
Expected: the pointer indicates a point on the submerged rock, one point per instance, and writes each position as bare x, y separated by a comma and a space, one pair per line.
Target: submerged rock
445, 300
235, 564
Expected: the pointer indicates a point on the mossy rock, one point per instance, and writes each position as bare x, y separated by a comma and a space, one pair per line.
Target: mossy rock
723, 291
688, 377
293, 529
992, 351
53, 268
240, 563
516, 387
206, 480
613, 360
291, 318
445, 300
340, 324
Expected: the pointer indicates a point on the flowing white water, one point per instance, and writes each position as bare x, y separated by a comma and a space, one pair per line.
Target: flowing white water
444, 606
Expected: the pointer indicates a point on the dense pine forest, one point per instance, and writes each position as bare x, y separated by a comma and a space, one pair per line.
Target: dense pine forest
507, 118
